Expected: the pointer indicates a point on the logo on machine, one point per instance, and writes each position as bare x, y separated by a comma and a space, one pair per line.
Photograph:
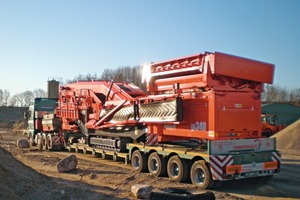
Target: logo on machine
198, 126
254, 146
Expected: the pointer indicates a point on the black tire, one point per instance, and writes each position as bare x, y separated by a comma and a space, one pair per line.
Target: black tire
31, 139
44, 142
39, 141
49, 141
201, 175
139, 161
181, 194
178, 169
157, 165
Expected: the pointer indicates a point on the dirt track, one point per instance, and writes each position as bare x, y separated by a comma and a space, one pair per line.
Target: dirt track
105, 179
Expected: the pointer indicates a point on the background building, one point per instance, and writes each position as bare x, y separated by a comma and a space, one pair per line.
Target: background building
286, 113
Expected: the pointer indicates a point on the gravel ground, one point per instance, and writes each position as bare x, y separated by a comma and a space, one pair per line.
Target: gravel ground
31, 174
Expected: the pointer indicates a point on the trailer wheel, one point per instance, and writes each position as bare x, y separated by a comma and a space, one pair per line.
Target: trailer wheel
31, 139
181, 193
44, 142
157, 165
49, 141
94, 153
115, 157
139, 161
39, 141
84, 151
178, 169
201, 175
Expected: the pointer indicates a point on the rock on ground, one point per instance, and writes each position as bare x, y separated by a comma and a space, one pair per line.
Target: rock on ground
141, 191
23, 144
68, 164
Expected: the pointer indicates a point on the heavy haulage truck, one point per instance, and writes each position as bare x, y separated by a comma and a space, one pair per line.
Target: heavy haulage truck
200, 120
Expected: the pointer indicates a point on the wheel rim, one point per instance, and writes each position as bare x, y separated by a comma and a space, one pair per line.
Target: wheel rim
154, 165
44, 140
135, 162
174, 169
49, 139
199, 176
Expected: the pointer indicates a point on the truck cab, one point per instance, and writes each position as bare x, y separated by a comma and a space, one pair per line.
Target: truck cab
35, 113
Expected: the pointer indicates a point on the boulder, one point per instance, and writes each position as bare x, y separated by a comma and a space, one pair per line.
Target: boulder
68, 164
140, 191
23, 144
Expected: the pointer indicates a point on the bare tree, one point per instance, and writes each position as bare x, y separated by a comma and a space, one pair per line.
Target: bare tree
28, 97
80, 77
39, 93
121, 74
16, 100
108, 74
124, 74
6, 95
294, 96
1, 97
273, 93
269, 93
13, 101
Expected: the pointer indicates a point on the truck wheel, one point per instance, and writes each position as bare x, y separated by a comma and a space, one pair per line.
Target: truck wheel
49, 141
39, 141
44, 142
201, 175
31, 139
157, 165
139, 161
181, 193
178, 169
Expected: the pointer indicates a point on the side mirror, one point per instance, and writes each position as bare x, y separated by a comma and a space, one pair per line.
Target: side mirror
25, 114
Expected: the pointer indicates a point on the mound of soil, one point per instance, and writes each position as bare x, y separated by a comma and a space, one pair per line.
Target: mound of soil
19, 181
289, 138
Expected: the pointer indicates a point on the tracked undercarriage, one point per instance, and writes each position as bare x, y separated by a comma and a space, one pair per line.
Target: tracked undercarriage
116, 137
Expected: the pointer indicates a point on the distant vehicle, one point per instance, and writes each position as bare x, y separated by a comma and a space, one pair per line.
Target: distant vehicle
269, 126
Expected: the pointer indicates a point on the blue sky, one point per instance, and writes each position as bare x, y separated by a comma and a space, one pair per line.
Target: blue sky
41, 39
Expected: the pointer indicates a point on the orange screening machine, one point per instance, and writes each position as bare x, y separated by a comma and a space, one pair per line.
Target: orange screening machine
219, 96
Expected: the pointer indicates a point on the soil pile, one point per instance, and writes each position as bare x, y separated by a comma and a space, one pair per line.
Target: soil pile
289, 138
17, 181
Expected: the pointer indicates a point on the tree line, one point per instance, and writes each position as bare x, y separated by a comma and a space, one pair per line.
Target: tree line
271, 94
22, 99
121, 74
278, 94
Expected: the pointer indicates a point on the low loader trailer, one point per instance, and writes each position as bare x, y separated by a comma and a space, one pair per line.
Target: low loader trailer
199, 120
